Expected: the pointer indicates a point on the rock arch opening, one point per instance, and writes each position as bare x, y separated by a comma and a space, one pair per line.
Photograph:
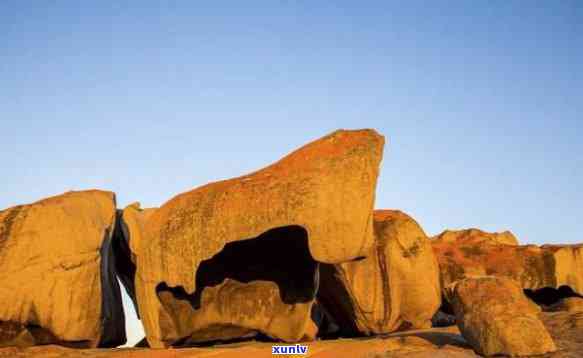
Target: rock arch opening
279, 255
278, 258
547, 296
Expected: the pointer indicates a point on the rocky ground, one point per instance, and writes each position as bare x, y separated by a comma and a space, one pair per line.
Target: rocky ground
566, 329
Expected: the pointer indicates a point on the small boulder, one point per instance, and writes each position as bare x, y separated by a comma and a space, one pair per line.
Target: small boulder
496, 318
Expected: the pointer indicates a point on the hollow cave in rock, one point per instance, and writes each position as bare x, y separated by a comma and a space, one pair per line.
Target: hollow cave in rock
280, 255
548, 295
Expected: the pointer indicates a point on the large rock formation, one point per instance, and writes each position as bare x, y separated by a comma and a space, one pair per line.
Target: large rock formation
496, 318
395, 287
475, 253
57, 274
240, 256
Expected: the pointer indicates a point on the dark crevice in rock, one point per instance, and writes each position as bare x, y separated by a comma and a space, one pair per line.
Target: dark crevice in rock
280, 255
327, 327
112, 315
125, 267
446, 307
443, 319
547, 296
445, 316
336, 301
143, 343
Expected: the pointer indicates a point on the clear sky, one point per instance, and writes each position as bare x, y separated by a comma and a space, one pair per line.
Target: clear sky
481, 102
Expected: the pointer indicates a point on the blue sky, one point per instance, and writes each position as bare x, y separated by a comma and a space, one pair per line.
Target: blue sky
481, 103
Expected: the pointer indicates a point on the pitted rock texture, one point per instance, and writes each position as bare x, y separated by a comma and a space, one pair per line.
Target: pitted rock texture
326, 188
496, 318
475, 253
395, 287
57, 272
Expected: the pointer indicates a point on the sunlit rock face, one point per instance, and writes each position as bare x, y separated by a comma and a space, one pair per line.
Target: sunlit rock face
237, 257
469, 253
496, 318
57, 272
395, 287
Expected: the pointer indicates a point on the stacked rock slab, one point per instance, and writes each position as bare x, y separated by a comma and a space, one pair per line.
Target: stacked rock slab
496, 318
57, 277
468, 253
395, 287
240, 256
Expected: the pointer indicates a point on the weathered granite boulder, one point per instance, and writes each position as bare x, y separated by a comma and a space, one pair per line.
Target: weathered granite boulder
476, 253
240, 256
496, 318
57, 272
395, 287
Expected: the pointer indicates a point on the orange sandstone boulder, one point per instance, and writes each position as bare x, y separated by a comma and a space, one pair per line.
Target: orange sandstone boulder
395, 287
496, 318
475, 253
57, 272
240, 256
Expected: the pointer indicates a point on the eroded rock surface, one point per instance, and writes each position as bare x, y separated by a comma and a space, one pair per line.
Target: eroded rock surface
274, 226
57, 272
395, 287
476, 253
496, 318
